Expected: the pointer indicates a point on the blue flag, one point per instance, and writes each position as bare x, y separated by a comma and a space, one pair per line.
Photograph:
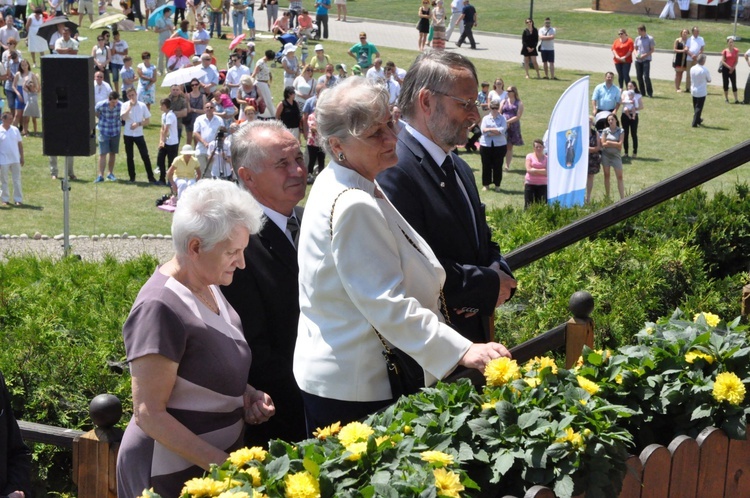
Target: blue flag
567, 147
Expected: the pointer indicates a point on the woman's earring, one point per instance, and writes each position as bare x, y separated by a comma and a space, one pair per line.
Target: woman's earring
342, 157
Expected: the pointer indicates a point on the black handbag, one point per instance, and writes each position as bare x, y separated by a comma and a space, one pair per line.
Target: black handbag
404, 374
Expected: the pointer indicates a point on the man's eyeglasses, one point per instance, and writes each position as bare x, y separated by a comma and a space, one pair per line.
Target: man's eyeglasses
468, 104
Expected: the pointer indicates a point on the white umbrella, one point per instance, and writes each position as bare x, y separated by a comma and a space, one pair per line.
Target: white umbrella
105, 21
183, 75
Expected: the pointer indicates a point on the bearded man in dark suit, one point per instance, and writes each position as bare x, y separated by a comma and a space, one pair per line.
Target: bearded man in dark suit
270, 165
436, 192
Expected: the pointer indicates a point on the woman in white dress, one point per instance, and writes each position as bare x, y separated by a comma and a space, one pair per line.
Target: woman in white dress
341, 9
37, 44
304, 86
262, 76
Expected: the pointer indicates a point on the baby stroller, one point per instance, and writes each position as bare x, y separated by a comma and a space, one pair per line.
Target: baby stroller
284, 39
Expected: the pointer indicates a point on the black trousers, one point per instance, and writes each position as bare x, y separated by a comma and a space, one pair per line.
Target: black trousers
314, 154
322, 22
140, 142
726, 78
492, 164
169, 152
630, 126
322, 412
643, 74
534, 193
467, 34
698, 109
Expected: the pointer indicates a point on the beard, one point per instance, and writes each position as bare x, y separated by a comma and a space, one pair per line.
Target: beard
446, 131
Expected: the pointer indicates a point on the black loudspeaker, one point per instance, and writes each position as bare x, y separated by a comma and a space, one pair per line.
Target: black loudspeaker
68, 118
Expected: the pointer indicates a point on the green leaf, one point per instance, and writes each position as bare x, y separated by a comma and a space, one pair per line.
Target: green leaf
278, 468
385, 490
735, 427
507, 412
503, 462
702, 411
563, 487
526, 420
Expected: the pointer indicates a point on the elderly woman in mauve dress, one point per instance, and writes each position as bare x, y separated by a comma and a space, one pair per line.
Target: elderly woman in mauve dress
188, 356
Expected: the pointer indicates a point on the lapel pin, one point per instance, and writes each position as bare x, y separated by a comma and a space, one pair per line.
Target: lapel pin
442, 184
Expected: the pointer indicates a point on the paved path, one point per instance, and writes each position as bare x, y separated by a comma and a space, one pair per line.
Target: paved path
585, 57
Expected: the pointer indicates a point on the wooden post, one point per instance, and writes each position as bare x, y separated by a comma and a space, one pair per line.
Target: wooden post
579, 329
746, 301
95, 452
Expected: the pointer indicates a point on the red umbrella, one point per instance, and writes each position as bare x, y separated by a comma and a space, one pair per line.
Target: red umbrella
170, 46
236, 41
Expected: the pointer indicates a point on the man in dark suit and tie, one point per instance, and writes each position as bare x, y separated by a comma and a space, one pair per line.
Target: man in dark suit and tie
435, 190
271, 167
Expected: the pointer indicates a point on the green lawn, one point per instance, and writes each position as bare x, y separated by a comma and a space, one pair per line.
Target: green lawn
667, 142
573, 20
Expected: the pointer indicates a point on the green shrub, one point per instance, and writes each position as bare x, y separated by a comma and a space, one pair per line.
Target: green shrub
61, 343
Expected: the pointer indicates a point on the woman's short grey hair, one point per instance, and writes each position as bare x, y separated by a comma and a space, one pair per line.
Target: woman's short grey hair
350, 108
431, 70
210, 210
245, 150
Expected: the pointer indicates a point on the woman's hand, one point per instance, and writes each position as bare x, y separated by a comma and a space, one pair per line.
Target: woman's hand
479, 355
258, 406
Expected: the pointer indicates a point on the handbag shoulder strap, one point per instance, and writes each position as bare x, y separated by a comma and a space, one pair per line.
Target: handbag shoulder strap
443, 304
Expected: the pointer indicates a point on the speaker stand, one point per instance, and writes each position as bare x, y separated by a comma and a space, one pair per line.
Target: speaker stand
66, 211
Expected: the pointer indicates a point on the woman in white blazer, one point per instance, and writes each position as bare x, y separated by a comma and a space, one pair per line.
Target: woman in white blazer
363, 268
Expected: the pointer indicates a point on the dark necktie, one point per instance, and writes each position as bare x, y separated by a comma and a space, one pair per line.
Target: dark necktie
293, 226
456, 191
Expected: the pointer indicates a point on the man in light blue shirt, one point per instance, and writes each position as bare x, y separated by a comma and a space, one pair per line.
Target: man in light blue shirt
606, 95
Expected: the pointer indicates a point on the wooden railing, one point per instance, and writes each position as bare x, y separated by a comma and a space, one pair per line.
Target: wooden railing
710, 466
94, 452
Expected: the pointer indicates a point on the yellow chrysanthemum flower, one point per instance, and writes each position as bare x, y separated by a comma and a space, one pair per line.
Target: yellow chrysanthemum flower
728, 387
489, 405
147, 493
301, 485
618, 379
354, 432
532, 381
587, 385
540, 363
382, 439
711, 319
254, 473
407, 429
327, 432
437, 457
203, 486
356, 450
245, 455
259, 495
500, 371
650, 330
447, 483
235, 494
574, 438
691, 356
